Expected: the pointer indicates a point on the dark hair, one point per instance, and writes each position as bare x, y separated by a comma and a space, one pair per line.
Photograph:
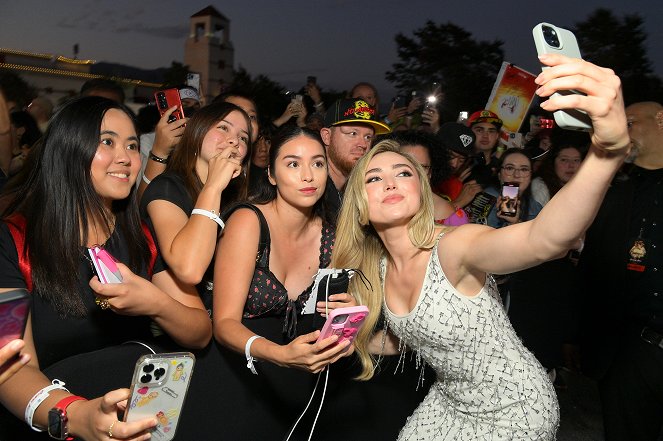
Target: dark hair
439, 155
265, 191
58, 200
102, 84
547, 170
526, 195
183, 160
22, 119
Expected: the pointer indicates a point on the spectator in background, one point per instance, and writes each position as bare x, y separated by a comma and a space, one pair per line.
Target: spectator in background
6, 138
105, 88
486, 127
557, 168
41, 109
350, 125
26, 134
260, 157
295, 109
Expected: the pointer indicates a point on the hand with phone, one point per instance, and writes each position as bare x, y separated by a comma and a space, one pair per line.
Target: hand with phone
11, 359
308, 353
345, 323
168, 133
508, 203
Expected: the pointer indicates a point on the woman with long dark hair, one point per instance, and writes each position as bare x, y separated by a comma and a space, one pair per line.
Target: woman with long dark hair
79, 193
205, 174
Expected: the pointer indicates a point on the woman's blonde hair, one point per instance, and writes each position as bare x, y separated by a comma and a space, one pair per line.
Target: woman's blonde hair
358, 245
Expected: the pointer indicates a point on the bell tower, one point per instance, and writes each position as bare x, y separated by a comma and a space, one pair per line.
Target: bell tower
209, 52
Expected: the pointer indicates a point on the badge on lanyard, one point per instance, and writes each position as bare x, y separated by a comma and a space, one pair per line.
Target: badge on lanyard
637, 255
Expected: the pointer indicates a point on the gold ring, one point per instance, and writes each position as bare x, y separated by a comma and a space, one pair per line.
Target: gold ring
103, 303
110, 429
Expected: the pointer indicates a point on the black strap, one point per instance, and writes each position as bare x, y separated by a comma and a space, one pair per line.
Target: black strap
262, 256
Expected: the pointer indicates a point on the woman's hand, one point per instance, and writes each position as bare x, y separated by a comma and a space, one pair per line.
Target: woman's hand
335, 301
224, 167
11, 359
396, 113
602, 99
467, 193
167, 135
307, 354
98, 419
134, 296
431, 116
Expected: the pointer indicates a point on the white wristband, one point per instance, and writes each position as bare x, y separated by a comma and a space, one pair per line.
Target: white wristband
247, 351
39, 398
145, 180
209, 214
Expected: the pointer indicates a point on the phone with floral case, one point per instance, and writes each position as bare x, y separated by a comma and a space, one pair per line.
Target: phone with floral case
158, 389
344, 322
104, 266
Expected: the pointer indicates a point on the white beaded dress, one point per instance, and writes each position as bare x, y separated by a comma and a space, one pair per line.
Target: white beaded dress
488, 386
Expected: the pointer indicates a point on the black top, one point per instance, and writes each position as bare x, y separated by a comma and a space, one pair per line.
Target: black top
170, 187
646, 223
57, 337
333, 199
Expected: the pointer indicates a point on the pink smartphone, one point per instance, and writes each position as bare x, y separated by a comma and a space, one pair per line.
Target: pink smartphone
104, 266
14, 310
344, 322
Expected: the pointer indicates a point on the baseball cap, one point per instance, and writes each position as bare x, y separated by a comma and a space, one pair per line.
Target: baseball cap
484, 116
353, 110
457, 137
189, 92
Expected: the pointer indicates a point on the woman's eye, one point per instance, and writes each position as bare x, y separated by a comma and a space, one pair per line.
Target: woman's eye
107, 141
292, 164
132, 146
253, 117
404, 173
372, 179
319, 164
244, 139
223, 127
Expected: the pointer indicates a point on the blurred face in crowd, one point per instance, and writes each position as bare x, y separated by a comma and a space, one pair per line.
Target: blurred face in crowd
250, 109
366, 93
516, 168
486, 136
116, 163
261, 152
456, 161
567, 163
346, 144
645, 128
420, 153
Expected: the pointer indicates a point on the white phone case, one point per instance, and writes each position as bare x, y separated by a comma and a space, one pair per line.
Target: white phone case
158, 388
570, 119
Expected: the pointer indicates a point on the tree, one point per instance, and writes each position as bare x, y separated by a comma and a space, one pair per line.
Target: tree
447, 54
175, 75
607, 40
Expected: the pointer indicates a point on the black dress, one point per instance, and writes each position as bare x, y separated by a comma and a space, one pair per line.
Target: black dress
88, 353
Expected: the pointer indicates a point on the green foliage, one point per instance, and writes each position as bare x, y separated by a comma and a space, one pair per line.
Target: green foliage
175, 75
445, 53
619, 43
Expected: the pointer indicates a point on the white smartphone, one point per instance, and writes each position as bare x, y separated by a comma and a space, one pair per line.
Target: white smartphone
550, 39
158, 388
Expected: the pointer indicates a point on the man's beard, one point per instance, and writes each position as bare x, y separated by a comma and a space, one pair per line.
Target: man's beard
343, 165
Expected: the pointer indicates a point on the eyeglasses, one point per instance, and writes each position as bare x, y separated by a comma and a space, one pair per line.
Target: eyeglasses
511, 170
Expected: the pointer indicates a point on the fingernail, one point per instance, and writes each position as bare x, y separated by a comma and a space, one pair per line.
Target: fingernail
16, 345
25, 358
543, 56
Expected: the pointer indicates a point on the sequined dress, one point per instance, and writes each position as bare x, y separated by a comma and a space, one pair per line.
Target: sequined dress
488, 386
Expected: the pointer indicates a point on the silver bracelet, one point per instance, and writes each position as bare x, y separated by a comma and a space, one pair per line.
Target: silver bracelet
247, 351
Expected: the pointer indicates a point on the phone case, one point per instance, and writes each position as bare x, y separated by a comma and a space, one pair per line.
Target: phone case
14, 310
570, 119
509, 199
344, 322
166, 99
158, 389
104, 266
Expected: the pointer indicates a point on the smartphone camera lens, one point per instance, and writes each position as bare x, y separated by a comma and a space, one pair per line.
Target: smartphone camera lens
158, 373
148, 368
339, 319
550, 35
145, 378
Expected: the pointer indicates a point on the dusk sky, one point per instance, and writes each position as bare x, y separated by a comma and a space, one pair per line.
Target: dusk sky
339, 41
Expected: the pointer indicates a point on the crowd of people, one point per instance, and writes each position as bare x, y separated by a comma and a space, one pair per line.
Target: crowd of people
221, 221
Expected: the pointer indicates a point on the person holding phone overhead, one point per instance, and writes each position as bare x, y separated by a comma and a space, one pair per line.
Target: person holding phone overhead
433, 284
80, 193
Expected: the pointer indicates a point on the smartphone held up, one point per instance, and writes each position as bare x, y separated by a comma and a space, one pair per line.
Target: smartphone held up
14, 310
550, 39
509, 201
165, 99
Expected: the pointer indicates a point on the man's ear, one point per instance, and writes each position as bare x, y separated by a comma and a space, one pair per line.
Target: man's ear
269, 176
325, 134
